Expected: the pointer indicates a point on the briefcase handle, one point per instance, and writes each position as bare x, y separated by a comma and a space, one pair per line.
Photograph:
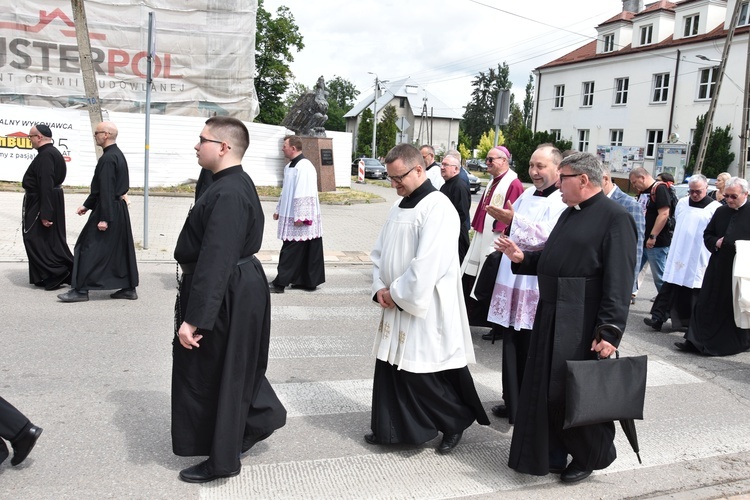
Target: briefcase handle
612, 328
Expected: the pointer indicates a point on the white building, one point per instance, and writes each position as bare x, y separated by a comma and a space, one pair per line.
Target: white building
645, 80
422, 117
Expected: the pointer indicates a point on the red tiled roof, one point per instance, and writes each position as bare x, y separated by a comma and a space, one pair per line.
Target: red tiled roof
622, 16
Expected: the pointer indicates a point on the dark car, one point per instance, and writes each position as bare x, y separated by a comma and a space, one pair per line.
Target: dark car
373, 168
476, 164
474, 184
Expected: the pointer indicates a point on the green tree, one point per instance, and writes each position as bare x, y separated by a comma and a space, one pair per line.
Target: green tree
480, 112
487, 142
341, 98
522, 145
387, 130
718, 151
296, 91
528, 102
465, 152
275, 38
364, 135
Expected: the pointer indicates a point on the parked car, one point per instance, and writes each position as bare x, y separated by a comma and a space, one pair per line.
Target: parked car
373, 168
681, 190
474, 184
476, 164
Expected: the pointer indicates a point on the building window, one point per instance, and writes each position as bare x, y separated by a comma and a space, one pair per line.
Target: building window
653, 139
615, 137
691, 25
588, 94
744, 19
559, 96
402, 102
707, 82
621, 90
609, 43
661, 87
583, 140
556, 133
646, 32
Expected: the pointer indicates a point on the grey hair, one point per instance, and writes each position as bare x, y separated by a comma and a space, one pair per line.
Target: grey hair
585, 163
698, 177
737, 181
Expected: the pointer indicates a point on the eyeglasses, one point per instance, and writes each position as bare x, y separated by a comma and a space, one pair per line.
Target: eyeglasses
203, 140
446, 165
34, 135
398, 179
490, 159
695, 191
565, 176
99, 132
731, 196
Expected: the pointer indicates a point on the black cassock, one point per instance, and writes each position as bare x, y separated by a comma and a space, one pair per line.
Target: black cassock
712, 328
585, 276
105, 260
458, 192
46, 247
220, 392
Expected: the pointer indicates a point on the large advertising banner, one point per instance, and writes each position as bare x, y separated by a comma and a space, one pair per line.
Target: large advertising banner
204, 61
15, 146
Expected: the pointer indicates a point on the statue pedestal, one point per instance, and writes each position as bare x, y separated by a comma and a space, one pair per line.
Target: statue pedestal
319, 150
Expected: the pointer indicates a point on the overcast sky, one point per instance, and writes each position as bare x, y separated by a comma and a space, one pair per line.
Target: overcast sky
442, 44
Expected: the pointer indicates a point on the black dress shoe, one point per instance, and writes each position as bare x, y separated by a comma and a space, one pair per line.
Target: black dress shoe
251, 441
492, 335
371, 438
73, 295
55, 282
305, 288
23, 445
500, 411
686, 346
656, 325
125, 293
449, 442
573, 474
199, 473
275, 289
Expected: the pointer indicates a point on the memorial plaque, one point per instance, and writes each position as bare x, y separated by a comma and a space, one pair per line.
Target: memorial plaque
326, 156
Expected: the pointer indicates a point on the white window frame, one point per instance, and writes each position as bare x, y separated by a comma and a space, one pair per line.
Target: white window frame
608, 43
587, 94
744, 19
707, 83
559, 97
691, 25
660, 88
654, 137
621, 91
647, 33
584, 136
557, 133
616, 136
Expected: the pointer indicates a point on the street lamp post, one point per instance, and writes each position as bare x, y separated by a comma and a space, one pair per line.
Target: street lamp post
375, 116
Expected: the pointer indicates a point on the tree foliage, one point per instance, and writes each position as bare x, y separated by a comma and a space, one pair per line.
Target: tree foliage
387, 130
487, 142
465, 152
718, 152
480, 112
528, 102
522, 145
341, 98
274, 41
364, 135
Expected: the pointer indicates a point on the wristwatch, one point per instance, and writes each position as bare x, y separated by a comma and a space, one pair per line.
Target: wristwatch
652, 236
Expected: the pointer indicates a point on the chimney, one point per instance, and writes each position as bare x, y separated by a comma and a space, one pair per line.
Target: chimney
634, 6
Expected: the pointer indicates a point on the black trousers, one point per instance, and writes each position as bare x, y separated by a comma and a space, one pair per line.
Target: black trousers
301, 263
12, 423
515, 351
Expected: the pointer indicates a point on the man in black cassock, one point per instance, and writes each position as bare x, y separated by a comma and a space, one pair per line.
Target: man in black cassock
585, 274
222, 403
104, 255
50, 260
458, 192
712, 330
16, 428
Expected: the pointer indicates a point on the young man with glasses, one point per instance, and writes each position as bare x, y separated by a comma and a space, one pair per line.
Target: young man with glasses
422, 384
687, 259
713, 330
104, 255
44, 234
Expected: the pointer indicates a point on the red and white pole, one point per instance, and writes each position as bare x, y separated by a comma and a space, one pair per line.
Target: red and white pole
361, 172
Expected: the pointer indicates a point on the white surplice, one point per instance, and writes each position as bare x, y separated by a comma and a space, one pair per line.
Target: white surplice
515, 297
299, 201
415, 257
688, 256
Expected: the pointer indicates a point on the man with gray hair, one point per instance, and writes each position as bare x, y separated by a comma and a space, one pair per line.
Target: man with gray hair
458, 192
687, 259
432, 168
585, 274
712, 329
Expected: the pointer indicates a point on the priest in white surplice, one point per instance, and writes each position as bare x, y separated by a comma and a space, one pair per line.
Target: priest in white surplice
515, 297
300, 226
422, 384
687, 259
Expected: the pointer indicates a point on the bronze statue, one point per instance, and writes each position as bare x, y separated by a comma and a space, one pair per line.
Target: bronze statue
308, 114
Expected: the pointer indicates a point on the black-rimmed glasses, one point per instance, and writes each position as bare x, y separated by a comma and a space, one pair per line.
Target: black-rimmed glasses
695, 191
398, 179
490, 159
731, 196
203, 140
564, 176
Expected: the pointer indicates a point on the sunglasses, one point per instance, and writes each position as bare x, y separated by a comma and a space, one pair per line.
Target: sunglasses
731, 196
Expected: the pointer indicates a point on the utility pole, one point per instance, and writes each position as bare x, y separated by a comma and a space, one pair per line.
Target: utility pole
742, 166
87, 68
708, 123
375, 117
